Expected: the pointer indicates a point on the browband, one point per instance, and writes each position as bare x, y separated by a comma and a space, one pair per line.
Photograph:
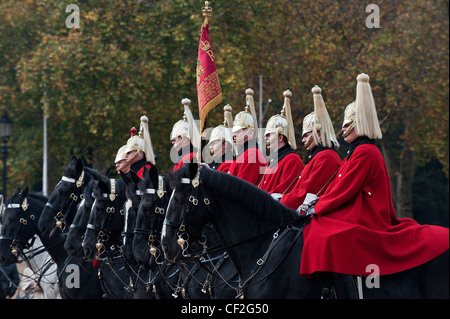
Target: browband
185, 181
147, 191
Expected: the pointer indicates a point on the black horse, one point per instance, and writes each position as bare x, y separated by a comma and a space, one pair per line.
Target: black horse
133, 196
62, 203
19, 226
139, 274
197, 278
74, 239
102, 239
264, 240
161, 277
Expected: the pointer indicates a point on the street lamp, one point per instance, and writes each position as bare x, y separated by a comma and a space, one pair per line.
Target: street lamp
6, 126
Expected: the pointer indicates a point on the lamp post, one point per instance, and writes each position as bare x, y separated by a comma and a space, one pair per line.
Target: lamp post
6, 125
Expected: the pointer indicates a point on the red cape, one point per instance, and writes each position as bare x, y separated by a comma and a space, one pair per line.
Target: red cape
356, 224
185, 159
316, 174
224, 166
281, 177
249, 165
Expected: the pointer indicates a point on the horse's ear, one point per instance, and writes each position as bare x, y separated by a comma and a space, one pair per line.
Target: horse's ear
79, 166
193, 168
73, 159
153, 174
102, 186
25, 192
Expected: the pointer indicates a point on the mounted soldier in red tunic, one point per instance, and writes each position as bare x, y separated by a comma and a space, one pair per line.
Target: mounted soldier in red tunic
138, 152
221, 146
323, 162
184, 136
354, 224
284, 165
250, 162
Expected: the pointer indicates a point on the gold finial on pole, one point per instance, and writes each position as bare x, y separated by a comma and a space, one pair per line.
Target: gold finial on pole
207, 10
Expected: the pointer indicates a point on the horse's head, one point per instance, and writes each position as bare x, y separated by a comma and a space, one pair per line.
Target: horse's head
19, 225
150, 216
133, 196
187, 212
64, 198
74, 239
106, 219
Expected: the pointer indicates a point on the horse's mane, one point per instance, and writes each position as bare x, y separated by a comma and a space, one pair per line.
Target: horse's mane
35, 200
70, 170
38, 197
235, 189
91, 172
87, 192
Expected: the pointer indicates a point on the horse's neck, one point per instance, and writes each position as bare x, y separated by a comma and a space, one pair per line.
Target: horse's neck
55, 249
249, 235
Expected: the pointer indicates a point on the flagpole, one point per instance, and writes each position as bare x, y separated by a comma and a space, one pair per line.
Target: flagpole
207, 12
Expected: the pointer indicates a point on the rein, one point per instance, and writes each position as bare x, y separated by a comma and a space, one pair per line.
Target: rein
17, 240
77, 194
193, 201
103, 233
184, 229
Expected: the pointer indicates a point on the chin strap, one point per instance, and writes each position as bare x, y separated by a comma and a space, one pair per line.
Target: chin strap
309, 141
128, 161
242, 138
215, 149
349, 130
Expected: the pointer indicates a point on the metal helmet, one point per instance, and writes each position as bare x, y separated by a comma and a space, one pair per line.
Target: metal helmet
282, 123
120, 154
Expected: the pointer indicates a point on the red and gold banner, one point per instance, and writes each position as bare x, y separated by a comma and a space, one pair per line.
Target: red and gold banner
208, 85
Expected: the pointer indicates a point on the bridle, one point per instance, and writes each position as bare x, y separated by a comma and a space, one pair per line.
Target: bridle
103, 232
184, 229
77, 194
159, 210
18, 242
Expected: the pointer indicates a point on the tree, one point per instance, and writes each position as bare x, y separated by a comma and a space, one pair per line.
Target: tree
130, 58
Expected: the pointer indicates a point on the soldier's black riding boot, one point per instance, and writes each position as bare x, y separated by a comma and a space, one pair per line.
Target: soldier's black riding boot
345, 286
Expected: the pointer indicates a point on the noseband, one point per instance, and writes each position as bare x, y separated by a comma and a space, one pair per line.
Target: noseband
18, 242
77, 194
103, 233
153, 233
184, 229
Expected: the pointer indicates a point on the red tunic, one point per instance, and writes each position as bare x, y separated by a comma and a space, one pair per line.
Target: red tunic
185, 159
315, 176
356, 224
249, 165
224, 166
280, 178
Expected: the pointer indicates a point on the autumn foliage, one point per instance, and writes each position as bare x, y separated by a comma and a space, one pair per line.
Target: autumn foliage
130, 58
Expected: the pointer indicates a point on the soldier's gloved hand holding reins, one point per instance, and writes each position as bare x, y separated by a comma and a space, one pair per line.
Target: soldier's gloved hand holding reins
308, 204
